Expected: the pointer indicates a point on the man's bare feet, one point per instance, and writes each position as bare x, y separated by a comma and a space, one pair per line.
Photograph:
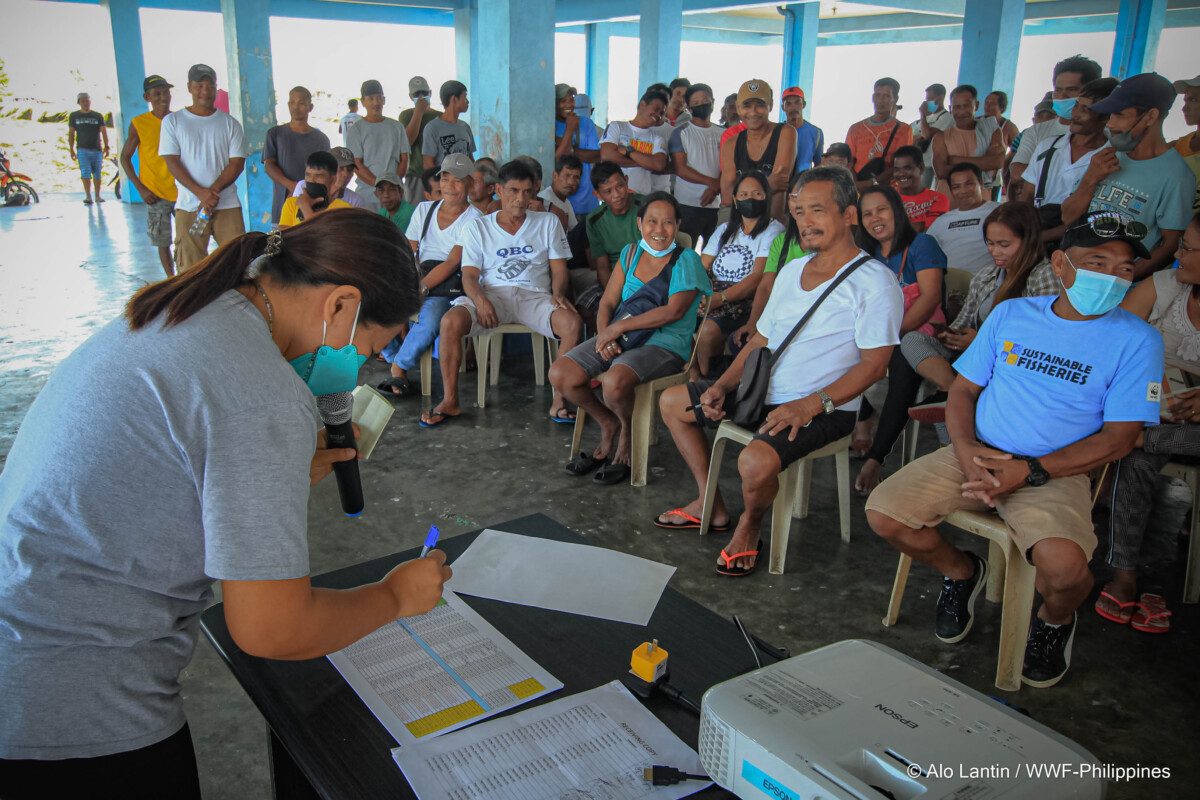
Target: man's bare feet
720, 516
438, 414
1124, 589
743, 541
868, 476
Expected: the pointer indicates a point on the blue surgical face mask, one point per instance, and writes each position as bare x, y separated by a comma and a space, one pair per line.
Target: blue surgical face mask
930, 106
1063, 107
329, 371
1094, 293
656, 253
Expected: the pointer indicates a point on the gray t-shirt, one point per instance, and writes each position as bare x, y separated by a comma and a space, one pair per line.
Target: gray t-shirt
187, 461
290, 150
380, 146
442, 138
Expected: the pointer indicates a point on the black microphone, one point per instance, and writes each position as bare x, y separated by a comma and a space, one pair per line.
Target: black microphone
336, 410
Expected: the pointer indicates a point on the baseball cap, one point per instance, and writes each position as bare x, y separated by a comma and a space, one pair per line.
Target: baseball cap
1148, 90
201, 72
754, 89
583, 105
793, 91
344, 156
392, 179
561, 90
81, 96
369, 88
458, 165
1184, 85
416, 84
1100, 227
154, 81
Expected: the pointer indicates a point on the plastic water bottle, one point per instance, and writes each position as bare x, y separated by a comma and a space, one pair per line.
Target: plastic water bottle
200, 226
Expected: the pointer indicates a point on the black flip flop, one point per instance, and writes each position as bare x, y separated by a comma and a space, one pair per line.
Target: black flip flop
611, 474
403, 384
583, 463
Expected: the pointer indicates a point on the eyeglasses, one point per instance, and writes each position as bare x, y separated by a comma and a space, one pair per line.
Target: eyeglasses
1109, 224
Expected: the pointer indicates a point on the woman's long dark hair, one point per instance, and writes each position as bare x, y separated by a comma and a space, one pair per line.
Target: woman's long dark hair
1022, 219
345, 246
903, 232
735, 216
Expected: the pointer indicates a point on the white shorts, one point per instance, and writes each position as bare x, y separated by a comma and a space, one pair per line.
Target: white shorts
514, 305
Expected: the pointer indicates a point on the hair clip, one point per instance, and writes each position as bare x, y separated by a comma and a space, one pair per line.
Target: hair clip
256, 267
274, 243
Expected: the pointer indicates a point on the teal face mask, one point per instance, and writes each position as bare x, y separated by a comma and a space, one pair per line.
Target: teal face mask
329, 371
656, 253
1063, 107
1094, 293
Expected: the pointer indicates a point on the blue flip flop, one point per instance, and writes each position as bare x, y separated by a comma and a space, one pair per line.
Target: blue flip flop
562, 419
444, 419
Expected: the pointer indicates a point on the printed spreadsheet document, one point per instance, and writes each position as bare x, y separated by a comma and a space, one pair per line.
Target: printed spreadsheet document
592, 745
425, 676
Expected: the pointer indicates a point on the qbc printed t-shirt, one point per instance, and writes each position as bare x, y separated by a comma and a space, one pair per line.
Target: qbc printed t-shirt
926, 206
1049, 382
188, 464
520, 259
643, 140
1158, 192
204, 144
442, 138
960, 235
87, 125
438, 242
862, 313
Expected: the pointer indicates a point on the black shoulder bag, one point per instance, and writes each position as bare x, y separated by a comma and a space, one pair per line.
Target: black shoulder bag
756, 372
452, 286
652, 295
879, 163
1050, 214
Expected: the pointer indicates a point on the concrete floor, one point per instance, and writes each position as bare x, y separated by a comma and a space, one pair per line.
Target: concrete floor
66, 268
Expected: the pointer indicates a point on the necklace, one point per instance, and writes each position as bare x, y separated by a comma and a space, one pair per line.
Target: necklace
270, 311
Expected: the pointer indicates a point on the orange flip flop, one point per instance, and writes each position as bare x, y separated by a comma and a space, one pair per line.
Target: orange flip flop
739, 572
693, 523
1125, 613
1152, 615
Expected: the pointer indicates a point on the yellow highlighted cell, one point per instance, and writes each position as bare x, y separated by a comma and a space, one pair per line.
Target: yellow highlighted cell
444, 719
526, 688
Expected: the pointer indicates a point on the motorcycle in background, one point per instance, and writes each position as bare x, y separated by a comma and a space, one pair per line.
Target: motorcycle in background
16, 189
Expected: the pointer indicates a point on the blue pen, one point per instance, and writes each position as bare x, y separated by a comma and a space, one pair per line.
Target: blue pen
430, 540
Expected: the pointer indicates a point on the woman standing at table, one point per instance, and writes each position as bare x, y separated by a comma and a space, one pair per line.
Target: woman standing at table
189, 461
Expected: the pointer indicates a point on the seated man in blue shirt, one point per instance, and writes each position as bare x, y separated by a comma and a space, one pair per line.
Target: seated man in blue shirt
1050, 388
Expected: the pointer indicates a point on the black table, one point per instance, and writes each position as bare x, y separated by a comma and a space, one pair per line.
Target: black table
324, 742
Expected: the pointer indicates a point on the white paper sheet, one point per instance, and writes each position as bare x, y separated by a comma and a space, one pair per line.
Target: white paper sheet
425, 676
590, 745
575, 578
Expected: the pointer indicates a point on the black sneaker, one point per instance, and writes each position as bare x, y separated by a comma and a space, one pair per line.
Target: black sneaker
956, 603
1047, 653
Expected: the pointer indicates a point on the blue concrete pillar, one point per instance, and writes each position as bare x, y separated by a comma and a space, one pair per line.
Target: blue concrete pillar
991, 42
596, 35
131, 70
1139, 26
251, 88
800, 23
513, 91
660, 31
466, 51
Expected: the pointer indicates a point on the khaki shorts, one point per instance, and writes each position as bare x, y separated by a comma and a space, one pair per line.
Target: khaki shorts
924, 493
158, 222
514, 305
226, 224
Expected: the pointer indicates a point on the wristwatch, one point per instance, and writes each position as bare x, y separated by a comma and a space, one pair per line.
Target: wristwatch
1038, 476
826, 401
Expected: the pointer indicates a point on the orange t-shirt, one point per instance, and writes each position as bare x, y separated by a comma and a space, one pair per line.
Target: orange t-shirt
867, 140
925, 207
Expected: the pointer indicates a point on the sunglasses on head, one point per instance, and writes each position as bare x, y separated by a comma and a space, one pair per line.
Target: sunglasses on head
1109, 224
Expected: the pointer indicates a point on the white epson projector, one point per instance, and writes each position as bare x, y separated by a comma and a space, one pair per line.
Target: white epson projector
859, 720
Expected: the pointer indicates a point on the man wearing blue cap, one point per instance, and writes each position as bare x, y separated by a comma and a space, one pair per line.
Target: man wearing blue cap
1140, 175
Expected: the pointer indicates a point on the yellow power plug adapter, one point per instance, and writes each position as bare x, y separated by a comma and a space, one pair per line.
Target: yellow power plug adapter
649, 662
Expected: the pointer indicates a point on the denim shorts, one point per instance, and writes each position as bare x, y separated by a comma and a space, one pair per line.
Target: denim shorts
89, 163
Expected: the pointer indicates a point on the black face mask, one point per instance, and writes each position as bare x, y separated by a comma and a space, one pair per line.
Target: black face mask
752, 208
702, 111
317, 191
